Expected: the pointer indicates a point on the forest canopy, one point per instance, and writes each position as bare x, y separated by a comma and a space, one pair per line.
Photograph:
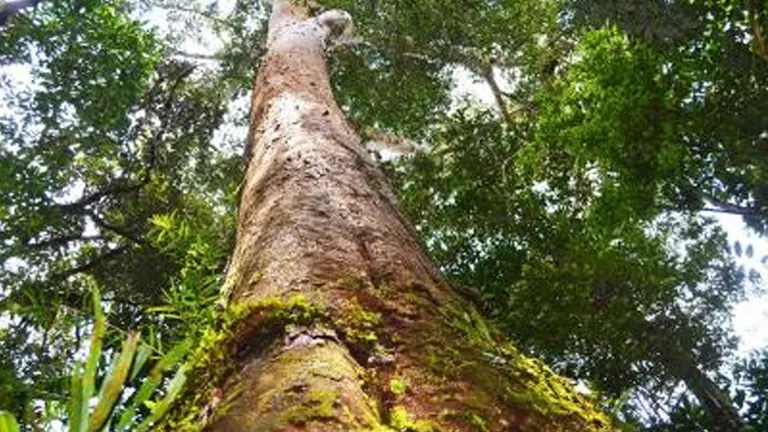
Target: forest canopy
576, 207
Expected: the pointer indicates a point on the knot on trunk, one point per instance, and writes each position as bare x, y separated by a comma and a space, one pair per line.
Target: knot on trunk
337, 24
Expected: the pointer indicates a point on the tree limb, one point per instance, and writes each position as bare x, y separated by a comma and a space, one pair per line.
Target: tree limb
195, 56
728, 208
7, 10
121, 231
490, 78
61, 241
759, 45
82, 268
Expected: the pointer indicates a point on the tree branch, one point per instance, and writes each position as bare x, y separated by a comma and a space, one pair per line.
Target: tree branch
121, 231
61, 241
7, 10
82, 268
759, 45
195, 56
490, 78
728, 208
391, 141
114, 189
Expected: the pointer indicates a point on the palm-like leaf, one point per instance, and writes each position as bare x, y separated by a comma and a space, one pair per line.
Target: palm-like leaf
8, 422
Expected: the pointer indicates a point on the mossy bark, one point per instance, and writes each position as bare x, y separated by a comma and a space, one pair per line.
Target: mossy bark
338, 320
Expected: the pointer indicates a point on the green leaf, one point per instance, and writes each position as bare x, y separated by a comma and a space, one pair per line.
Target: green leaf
92, 364
76, 404
142, 355
161, 408
152, 382
113, 384
8, 422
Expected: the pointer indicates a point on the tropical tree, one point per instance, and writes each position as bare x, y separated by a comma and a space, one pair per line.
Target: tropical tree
569, 212
333, 316
101, 132
338, 320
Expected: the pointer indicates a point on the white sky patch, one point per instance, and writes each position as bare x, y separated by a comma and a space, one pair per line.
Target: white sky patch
750, 318
230, 137
470, 86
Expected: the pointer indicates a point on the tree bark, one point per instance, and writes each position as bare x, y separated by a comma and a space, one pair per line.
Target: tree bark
336, 318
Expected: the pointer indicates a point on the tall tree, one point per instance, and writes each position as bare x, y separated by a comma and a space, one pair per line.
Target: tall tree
337, 319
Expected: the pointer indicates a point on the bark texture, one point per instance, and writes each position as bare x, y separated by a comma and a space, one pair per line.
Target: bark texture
337, 320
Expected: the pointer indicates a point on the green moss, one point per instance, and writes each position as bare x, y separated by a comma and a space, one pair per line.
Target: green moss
353, 282
210, 364
317, 405
358, 325
512, 379
401, 421
529, 383
255, 323
398, 386
467, 417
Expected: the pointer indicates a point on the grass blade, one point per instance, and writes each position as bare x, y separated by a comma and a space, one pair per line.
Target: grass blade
94, 354
152, 382
142, 355
8, 422
161, 408
76, 407
113, 384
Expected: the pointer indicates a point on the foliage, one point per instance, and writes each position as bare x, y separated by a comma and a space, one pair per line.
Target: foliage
751, 376
103, 130
580, 216
196, 241
750, 386
576, 206
570, 279
402, 56
128, 369
704, 90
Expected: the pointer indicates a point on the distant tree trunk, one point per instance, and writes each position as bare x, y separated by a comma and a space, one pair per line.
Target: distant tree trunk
715, 402
338, 321
682, 366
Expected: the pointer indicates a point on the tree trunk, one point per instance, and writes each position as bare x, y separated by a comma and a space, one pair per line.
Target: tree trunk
715, 402
337, 320
682, 365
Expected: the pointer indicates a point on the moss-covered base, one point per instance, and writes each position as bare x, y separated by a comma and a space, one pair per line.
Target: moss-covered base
277, 365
